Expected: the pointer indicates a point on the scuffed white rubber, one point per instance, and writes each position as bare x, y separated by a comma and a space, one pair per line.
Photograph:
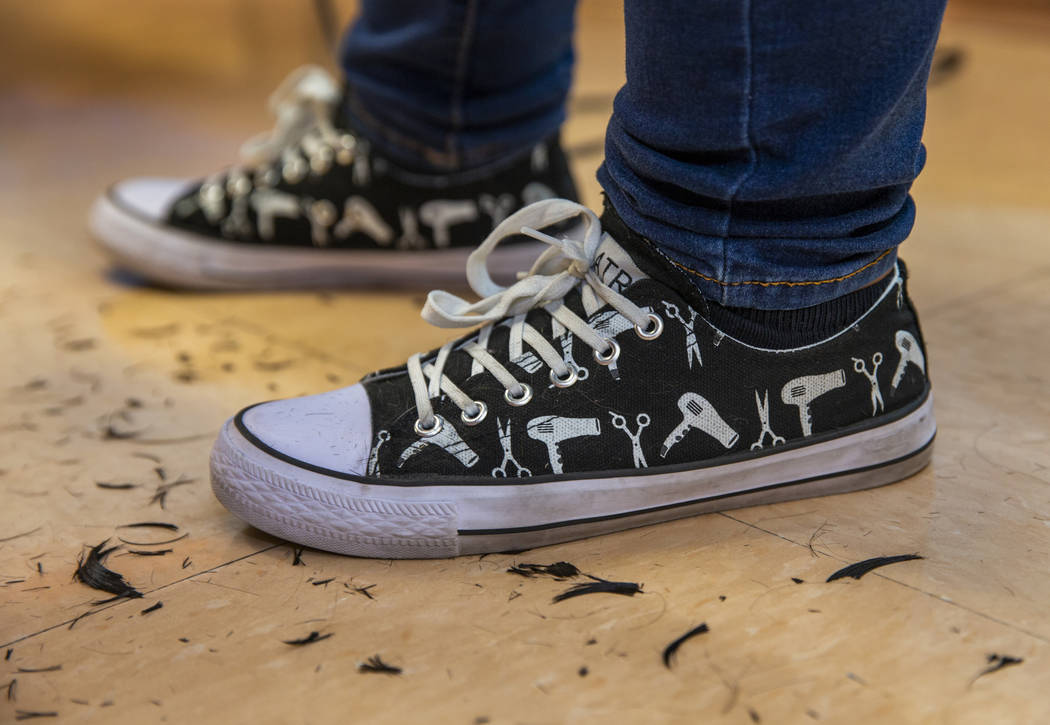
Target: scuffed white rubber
331, 430
148, 197
370, 518
135, 237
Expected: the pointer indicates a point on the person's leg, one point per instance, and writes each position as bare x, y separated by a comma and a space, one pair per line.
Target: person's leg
767, 149
449, 123
453, 84
768, 146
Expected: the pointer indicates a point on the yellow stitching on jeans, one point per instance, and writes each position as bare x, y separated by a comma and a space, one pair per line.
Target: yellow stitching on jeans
785, 284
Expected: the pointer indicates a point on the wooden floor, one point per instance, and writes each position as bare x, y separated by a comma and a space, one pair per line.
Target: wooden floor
105, 381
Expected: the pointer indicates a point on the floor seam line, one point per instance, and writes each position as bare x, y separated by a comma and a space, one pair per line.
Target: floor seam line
309, 350
938, 597
85, 615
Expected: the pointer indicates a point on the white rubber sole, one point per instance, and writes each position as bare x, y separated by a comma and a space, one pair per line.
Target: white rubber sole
178, 258
335, 512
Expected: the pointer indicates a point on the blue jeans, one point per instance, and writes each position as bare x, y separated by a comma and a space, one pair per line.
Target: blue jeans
766, 146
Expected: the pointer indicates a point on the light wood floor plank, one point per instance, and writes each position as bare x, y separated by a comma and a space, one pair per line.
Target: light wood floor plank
83, 350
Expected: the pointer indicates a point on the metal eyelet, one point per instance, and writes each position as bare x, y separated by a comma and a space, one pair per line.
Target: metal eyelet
526, 395
267, 178
656, 327
324, 212
345, 153
294, 170
568, 380
238, 185
320, 166
610, 357
433, 430
483, 410
321, 160
212, 193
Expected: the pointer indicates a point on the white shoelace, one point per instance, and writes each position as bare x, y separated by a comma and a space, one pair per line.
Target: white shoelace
303, 139
558, 270
303, 105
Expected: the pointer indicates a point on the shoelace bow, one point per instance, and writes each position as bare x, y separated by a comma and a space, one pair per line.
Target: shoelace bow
302, 139
303, 105
559, 269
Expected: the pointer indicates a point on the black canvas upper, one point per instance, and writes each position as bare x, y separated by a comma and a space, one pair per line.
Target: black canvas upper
625, 421
368, 203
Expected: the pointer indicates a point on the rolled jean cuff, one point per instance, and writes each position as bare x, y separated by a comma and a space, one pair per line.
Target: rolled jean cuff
444, 156
768, 272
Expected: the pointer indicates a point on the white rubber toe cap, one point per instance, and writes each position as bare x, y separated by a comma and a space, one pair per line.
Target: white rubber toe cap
331, 431
148, 197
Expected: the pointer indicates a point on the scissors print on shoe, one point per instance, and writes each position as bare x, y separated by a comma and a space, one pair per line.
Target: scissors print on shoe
508, 457
692, 349
642, 421
861, 367
763, 417
373, 460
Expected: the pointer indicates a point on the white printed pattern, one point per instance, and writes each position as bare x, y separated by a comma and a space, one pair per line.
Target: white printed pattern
362, 169
642, 421
610, 325
540, 159
536, 191
447, 439
910, 352
497, 207
321, 215
517, 354
763, 418
501, 471
358, 215
802, 391
441, 214
373, 458
211, 200
698, 413
237, 221
692, 349
552, 430
270, 205
861, 367
410, 237
582, 373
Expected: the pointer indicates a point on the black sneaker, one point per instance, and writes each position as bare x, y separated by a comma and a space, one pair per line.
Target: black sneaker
313, 206
597, 397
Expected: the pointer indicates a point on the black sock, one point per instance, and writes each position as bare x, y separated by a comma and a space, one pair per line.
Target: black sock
782, 329
773, 329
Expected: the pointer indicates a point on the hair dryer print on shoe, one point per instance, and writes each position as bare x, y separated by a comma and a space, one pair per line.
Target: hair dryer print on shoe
510, 478
697, 413
738, 254
313, 204
804, 390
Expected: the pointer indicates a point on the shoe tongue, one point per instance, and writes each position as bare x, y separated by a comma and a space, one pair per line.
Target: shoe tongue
340, 111
615, 266
644, 255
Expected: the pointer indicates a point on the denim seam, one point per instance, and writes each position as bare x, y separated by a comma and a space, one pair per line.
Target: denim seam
785, 283
462, 64
379, 130
752, 155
